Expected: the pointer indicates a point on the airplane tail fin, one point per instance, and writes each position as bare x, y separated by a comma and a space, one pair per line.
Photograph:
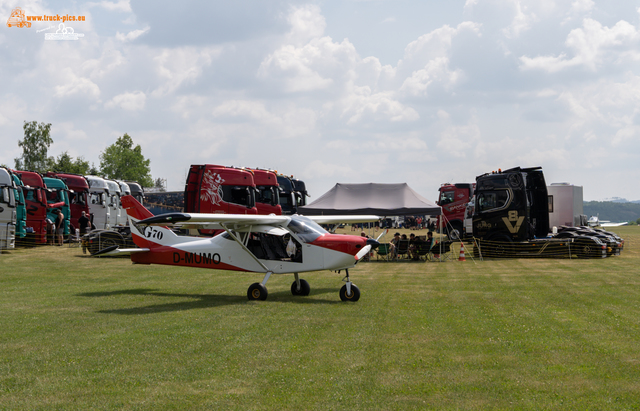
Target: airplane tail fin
149, 237
134, 208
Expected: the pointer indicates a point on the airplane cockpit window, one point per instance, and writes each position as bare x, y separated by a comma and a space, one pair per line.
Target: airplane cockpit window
306, 229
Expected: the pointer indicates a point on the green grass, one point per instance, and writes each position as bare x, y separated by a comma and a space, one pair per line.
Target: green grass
84, 333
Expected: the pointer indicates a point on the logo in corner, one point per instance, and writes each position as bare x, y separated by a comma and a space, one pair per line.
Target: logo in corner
18, 19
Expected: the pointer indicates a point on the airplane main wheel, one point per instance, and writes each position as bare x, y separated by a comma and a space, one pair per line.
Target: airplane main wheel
355, 293
304, 288
257, 291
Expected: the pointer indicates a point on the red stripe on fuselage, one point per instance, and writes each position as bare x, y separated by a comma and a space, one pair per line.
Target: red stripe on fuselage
348, 244
167, 255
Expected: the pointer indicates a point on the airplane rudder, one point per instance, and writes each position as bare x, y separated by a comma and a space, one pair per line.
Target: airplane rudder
135, 209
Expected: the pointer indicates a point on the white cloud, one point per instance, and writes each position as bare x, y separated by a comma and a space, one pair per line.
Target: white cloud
593, 45
307, 22
72, 85
180, 66
122, 6
582, 6
132, 35
363, 105
128, 101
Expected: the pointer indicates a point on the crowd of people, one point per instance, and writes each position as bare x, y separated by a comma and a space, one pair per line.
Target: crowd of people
55, 229
414, 244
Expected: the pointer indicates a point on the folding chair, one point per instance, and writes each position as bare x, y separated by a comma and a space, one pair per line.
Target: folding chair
75, 239
424, 249
384, 251
403, 248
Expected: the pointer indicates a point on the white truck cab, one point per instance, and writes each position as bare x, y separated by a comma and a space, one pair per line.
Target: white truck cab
113, 201
99, 202
124, 191
8, 214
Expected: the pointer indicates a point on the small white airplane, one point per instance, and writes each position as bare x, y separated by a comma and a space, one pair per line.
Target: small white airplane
267, 244
594, 221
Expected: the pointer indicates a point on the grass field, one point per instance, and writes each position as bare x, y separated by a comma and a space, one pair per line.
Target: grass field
84, 333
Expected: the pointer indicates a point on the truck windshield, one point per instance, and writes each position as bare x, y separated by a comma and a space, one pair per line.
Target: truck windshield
492, 200
306, 230
241, 195
96, 198
447, 197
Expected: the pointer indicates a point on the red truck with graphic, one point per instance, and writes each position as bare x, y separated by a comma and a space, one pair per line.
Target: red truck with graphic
453, 199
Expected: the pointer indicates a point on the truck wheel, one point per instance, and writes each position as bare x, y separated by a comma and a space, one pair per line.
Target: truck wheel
110, 239
454, 231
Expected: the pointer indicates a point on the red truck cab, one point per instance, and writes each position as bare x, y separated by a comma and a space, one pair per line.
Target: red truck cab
219, 189
35, 195
453, 199
267, 192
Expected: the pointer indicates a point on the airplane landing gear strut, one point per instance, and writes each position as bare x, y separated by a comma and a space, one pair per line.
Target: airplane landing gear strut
258, 291
300, 286
349, 291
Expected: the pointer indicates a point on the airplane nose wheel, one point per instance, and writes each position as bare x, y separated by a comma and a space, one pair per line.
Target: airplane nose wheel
349, 291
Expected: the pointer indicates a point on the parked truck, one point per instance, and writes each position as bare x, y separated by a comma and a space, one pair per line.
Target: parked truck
136, 191
218, 189
35, 196
21, 209
293, 194
8, 214
78, 196
58, 200
453, 199
267, 192
511, 219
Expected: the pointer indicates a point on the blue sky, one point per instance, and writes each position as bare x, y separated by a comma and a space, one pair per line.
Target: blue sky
423, 92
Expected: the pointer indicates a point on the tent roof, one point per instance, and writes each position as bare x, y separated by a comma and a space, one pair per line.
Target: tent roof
371, 198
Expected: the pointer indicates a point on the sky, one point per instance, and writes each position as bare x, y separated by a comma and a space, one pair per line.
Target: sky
348, 91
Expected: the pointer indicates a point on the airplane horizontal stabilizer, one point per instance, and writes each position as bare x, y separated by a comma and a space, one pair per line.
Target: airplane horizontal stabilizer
115, 251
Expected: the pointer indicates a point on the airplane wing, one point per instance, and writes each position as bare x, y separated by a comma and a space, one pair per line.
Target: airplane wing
608, 224
339, 219
212, 221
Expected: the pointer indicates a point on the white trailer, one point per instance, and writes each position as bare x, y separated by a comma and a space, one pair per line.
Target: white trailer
565, 205
8, 214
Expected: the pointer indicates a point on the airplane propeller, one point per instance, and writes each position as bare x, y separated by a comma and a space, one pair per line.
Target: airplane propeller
371, 243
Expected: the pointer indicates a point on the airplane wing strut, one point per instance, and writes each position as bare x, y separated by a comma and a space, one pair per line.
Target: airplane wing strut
237, 240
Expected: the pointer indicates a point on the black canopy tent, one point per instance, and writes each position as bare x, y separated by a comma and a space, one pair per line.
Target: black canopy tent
371, 198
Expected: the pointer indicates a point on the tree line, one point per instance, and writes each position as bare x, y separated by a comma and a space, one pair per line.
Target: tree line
121, 160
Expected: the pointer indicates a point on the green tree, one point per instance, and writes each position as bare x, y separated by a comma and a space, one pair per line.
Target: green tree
37, 139
122, 161
66, 164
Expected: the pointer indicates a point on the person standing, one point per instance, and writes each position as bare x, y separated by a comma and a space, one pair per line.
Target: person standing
83, 223
59, 227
